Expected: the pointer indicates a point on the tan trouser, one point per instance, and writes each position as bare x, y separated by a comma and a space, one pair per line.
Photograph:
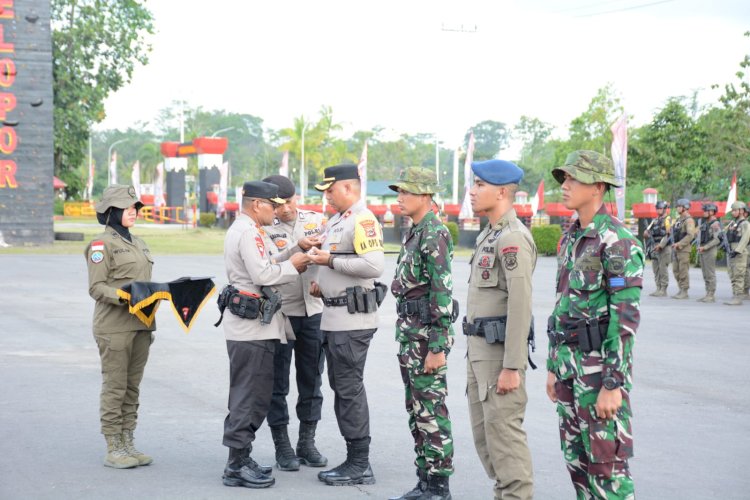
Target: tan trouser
737, 273
660, 265
496, 422
708, 267
124, 357
681, 268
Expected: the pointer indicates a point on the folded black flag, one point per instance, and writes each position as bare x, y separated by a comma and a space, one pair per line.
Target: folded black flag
187, 296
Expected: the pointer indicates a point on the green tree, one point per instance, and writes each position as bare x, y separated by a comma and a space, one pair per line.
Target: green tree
96, 45
591, 129
490, 137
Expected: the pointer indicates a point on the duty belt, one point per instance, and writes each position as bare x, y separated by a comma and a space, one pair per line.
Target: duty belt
477, 327
335, 301
588, 334
408, 308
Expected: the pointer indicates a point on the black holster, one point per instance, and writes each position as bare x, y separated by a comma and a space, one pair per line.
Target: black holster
588, 333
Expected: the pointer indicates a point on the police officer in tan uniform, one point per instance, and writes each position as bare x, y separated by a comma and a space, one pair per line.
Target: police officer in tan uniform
497, 326
116, 258
738, 237
683, 232
350, 259
296, 230
251, 344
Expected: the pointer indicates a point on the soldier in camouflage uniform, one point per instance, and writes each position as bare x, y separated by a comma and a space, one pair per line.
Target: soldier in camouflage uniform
683, 232
592, 331
660, 256
707, 247
422, 285
738, 236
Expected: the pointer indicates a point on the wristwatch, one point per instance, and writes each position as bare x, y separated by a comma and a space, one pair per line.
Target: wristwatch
436, 350
610, 383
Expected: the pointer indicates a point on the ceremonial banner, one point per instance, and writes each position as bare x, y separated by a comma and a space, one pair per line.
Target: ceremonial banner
187, 296
284, 168
732, 193
537, 201
159, 186
620, 159
113, 168
135, 178
466, 211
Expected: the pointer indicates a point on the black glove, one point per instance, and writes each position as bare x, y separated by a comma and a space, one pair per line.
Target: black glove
734, 254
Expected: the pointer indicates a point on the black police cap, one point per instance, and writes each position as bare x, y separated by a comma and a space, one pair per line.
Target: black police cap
286, 186
262, 190
337, 173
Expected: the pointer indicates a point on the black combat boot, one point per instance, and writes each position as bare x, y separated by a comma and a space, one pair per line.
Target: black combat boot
240, 471
437, 489
420, 488
307, 453
355, 469
285, 457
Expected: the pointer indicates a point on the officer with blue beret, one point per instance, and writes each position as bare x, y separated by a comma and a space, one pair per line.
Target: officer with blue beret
497, 326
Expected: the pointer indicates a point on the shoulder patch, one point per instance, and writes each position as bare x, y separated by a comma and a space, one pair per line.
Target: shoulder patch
97, 256
260, 245
510, 261
616, 264
97, 245
367, 234
510, 250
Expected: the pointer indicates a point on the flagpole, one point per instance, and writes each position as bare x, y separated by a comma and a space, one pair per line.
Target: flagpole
302, 183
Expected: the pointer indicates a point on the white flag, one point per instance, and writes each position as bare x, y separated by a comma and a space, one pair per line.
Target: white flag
113, 168
466, 211
284, 168
223, 177
732, 193
537, 201
362, 168
135, 178
158, 186
620, 159
90, 182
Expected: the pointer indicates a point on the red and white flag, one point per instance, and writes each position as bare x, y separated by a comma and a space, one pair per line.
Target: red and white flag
223, 177
362, 168
620, 159
732, 192
537, 201
466, 211
90, 182
113, 168
284, 168
159, 186
135, 178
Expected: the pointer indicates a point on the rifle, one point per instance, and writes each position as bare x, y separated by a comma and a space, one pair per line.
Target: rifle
650, 243
723, 240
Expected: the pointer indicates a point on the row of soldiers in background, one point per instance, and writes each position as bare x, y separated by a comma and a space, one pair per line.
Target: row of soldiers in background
667, 242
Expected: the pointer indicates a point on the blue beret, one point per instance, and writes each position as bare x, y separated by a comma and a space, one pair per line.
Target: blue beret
498, 172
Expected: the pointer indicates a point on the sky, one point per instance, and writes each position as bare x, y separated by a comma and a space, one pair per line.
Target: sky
432, 66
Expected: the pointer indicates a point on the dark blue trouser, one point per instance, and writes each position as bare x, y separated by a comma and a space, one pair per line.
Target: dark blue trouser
308, 361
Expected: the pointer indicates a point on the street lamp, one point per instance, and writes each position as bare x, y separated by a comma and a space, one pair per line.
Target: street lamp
109, 160
220, 131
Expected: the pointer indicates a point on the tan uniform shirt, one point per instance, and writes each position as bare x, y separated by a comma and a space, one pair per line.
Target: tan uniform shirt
500, 284
744, 230
112, 263
285, 235
248, 262
358, 232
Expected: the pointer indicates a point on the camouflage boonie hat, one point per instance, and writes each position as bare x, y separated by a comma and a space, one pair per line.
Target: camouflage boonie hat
739, 205
118, 196
587, 167
417, 180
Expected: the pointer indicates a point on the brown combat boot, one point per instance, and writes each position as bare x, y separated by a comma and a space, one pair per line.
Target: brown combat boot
681, 295
709, 298
129, 445
660, 292
736, 301
117, 457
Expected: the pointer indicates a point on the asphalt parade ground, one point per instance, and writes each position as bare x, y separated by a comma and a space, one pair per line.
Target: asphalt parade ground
691, 404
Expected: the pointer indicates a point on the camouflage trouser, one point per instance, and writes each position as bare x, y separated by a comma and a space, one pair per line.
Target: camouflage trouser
747, 274
429, 420
708, 266
737, 274
660, 265
681, 269
596, 451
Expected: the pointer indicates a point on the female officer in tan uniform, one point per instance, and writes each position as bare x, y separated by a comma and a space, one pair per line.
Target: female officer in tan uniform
116, 258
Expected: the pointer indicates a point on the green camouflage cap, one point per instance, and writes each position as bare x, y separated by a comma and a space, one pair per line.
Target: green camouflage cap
417, 180
739, 205
118, 196
587, 167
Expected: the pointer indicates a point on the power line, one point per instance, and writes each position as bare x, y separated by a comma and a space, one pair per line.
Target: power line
624, 9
